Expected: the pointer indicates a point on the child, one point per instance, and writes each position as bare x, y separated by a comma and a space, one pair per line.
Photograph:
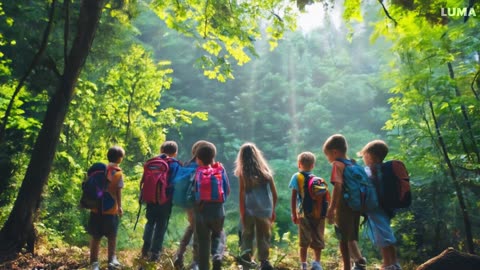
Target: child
209, 213
105, 223
187, 236
158, 215
378, 221
310, 227
345, 219
258, 198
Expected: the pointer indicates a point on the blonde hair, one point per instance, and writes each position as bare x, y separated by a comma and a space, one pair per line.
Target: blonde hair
251, 166
307, 159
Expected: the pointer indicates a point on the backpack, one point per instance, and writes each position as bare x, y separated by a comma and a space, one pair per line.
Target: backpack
154, 184
209, 183
358, 190
94, 189
393, 189
315, 193
184, 186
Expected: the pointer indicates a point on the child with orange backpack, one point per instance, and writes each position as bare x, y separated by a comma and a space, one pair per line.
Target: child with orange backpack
104, 215
156, 191
211, 190
309, 204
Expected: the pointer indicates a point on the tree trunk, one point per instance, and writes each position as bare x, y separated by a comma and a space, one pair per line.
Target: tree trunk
458, 190
18, 230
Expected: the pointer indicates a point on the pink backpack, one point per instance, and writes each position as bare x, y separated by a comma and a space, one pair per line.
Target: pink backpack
209, 183
154, 184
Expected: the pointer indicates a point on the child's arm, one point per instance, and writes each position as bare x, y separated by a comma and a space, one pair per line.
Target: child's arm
119, 201
242, 199
336, 196
273, 189
293, 206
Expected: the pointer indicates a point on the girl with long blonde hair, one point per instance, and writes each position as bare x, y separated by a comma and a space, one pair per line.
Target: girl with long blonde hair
258, 198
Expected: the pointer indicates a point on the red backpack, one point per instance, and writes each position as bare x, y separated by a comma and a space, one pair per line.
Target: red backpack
209, 183
154, 184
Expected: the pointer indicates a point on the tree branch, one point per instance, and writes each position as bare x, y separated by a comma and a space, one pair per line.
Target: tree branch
387, 13
472, 85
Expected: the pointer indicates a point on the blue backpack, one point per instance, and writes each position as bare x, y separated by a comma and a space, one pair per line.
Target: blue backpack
94, 189
184, 186
358, 189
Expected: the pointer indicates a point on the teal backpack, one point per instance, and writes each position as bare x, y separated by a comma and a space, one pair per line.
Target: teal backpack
358, 189
184, 186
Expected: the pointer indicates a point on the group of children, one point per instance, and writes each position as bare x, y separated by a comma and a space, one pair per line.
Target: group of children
257, 202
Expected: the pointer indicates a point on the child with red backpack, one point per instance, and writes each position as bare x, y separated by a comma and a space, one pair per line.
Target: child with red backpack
104, 218
309, 203
258, 198
156, 191
392, 184
211, 190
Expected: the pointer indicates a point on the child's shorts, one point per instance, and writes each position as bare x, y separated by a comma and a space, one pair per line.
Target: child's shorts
102, 225
347, 222
311, 232
379, 229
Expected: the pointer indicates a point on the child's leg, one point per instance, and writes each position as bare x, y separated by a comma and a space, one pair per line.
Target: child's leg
389, 255
345, 255
218, 239
202, 234
263, 233
248, 233
94, 249
354, 250
112, 246
318, 254
187, 236
161, 223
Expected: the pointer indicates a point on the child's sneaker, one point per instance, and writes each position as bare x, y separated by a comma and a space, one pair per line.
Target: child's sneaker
304, 266
316, 266
114, 264
246, 261
360, 264
265, 265
95, 266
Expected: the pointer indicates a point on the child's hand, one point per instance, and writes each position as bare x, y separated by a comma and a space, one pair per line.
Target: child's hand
295, 218
330, 215
120, 211
273, 217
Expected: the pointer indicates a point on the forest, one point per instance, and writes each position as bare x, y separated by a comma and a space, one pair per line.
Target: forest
78, 76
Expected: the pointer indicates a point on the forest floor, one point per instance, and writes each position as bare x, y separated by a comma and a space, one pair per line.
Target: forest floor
78, 258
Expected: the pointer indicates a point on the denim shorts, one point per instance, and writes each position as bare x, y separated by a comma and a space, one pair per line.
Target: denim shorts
379, 229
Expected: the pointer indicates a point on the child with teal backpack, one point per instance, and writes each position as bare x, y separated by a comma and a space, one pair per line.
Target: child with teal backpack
340, 211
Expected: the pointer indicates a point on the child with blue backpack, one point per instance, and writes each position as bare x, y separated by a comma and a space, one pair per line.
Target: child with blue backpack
158, 197
211, 190
307, 213
378, 222
345, 218
104, 222
258, 198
